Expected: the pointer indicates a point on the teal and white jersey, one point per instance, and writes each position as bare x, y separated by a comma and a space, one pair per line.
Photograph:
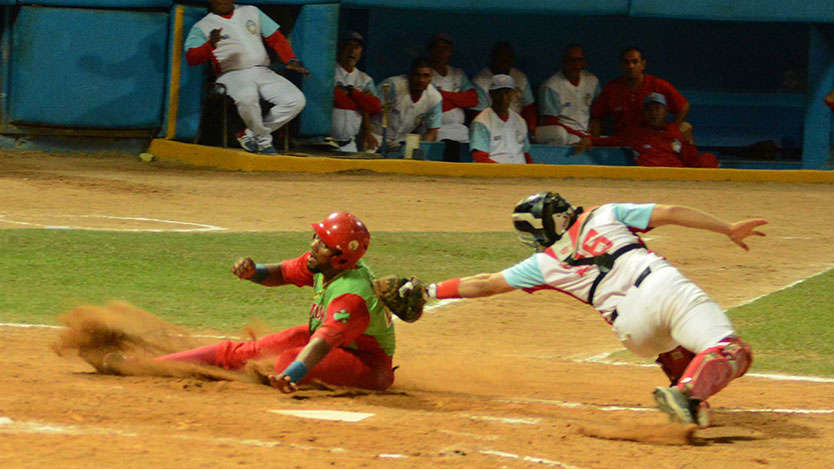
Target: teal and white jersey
241, 44
603, 230
454, 81
506, 142
558, 97
347, 122
406, 116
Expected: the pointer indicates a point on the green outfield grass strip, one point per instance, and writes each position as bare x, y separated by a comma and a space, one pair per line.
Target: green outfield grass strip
185, 278
791, 330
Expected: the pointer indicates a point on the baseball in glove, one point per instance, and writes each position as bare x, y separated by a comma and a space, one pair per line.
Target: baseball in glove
402, 296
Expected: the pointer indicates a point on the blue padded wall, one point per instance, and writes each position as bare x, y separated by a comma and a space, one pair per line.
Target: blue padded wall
818, 117
314, 42
813, 11
586, 7
88, 68
269, 2
101, 3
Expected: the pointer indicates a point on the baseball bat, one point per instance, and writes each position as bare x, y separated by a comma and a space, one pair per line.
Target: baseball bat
385, 88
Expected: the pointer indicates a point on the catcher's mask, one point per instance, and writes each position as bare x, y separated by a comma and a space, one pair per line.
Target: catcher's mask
346, 234
543, 218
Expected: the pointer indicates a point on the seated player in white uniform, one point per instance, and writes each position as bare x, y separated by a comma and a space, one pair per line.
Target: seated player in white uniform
502, 62
354, 98
232, 37
458, 94
415, 106
598, 257
565, 100
499, 134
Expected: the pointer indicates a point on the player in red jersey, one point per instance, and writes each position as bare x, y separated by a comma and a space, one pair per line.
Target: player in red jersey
622, 98
349, 338
656, 142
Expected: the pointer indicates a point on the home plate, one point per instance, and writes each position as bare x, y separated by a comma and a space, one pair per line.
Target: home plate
335, 415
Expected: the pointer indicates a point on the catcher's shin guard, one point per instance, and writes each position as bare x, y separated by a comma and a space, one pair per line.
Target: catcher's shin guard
713, 369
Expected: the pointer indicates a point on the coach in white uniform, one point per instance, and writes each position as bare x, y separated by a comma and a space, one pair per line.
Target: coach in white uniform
565, 100
232, 38
415, 106
499, 134
354, 98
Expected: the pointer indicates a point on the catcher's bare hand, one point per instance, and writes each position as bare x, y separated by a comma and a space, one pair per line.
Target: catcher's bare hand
742, 229
282, 382
244, 268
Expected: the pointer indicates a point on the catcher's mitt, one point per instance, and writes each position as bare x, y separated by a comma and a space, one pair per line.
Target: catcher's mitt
402, 296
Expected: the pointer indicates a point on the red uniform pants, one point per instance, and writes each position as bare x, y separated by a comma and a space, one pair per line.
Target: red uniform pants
341, 367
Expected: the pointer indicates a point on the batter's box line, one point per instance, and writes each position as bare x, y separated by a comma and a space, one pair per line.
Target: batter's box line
616, 408
602, 358
9, 426
200, 227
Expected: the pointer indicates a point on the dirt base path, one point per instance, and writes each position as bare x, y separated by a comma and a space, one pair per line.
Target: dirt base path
482, 383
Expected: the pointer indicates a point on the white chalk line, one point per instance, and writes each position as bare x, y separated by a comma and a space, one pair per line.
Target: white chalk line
543, 461
616, 408
9, 426
200, 227
602, 358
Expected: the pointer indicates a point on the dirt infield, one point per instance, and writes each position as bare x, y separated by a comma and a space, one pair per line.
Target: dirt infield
482, 383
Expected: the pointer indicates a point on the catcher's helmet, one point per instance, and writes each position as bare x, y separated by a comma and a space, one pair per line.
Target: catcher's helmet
347, 234
543, 218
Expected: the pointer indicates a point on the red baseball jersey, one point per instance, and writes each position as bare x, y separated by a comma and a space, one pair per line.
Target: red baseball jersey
626, 107
653, 147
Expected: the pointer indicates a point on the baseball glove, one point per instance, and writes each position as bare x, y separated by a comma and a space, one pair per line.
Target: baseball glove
402, 296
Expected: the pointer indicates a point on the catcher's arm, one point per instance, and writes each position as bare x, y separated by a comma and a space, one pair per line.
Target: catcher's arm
692, 218
474, 286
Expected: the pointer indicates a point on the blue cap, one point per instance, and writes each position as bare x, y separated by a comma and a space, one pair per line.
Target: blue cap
654, 98
353, 36
502, 81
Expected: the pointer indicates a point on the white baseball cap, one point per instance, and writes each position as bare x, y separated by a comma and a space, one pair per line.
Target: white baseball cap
502, 81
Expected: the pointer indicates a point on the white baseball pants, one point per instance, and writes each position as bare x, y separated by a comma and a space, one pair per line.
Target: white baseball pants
247, 87
668, 310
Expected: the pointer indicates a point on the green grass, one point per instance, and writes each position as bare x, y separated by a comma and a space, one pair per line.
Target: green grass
793, 329
186, 279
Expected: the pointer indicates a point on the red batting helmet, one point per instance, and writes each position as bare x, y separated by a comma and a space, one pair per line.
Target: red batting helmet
346, 233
